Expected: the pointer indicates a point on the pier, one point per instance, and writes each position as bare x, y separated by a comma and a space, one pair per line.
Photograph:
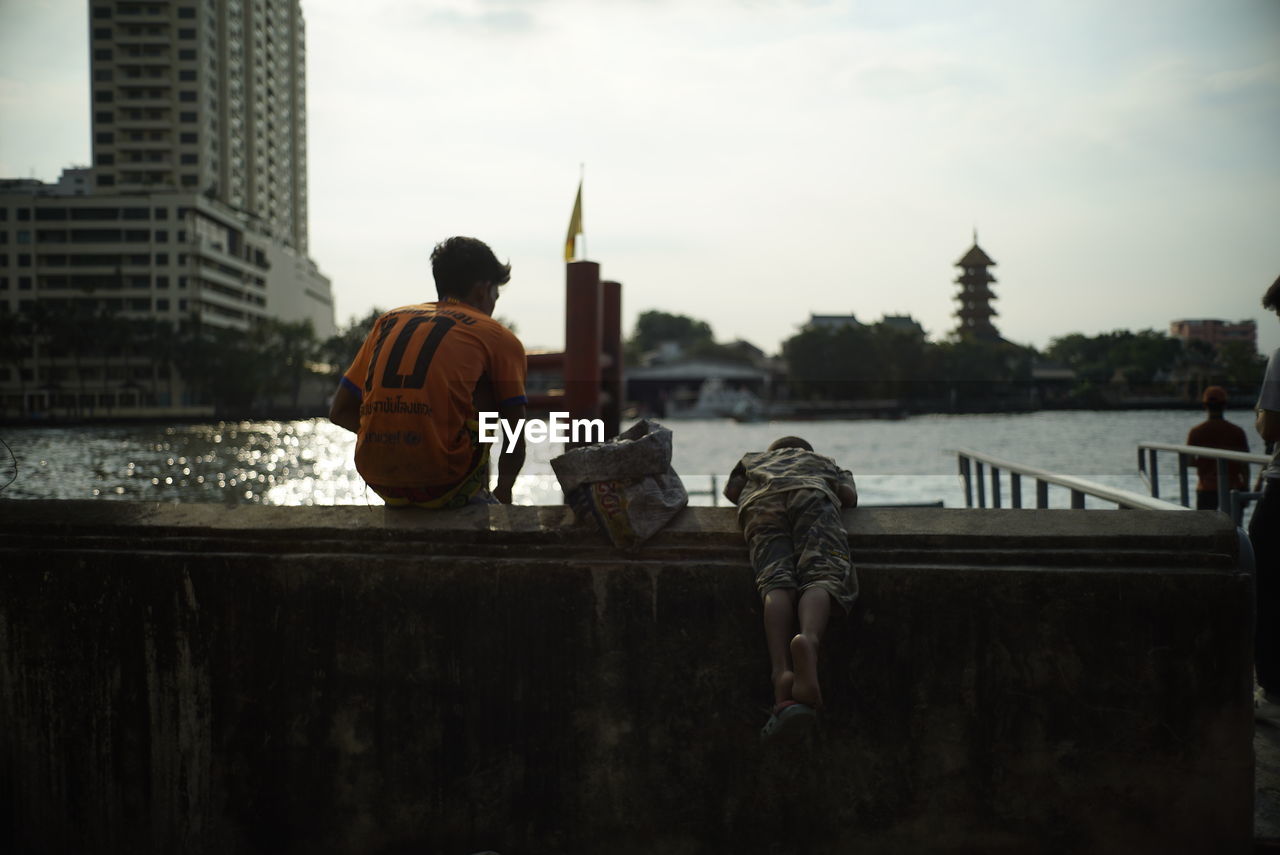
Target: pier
200, 678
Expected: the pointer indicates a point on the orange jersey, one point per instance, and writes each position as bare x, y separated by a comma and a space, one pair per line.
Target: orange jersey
1218, 433
423, 372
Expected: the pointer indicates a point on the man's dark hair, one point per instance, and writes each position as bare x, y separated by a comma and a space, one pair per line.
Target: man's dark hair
460, 262
790, 442
1271, 299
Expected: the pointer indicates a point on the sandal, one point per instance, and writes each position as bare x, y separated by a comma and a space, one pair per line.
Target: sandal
789, 722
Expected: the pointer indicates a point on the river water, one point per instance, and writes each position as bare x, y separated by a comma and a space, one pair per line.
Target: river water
309, 462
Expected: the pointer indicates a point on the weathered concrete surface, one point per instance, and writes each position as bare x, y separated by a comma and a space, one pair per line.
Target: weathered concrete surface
1266, 766
208, 679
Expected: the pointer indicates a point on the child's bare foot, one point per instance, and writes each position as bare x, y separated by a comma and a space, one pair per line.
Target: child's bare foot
782, 687
805, 688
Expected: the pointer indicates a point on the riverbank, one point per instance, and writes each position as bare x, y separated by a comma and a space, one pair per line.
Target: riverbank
791, 411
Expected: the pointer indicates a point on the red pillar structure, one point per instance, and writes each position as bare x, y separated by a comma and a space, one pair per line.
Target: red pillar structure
591, 363
613, 378
582, 339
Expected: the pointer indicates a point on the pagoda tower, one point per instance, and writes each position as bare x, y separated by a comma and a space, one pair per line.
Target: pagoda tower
975, 295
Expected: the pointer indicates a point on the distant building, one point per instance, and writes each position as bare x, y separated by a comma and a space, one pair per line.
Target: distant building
195, 207
170, 255
681, 389
903, 323
975, 295
831, 322
1215, 332
75, 181
206, 98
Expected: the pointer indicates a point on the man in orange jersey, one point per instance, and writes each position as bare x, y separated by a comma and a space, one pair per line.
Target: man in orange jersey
414, 391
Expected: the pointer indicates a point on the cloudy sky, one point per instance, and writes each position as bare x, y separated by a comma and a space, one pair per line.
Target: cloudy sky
749, 162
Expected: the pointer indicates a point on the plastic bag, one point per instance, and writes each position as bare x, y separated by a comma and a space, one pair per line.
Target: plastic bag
627, 485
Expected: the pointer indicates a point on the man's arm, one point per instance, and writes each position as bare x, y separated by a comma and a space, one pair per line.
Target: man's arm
345, 410
511, 460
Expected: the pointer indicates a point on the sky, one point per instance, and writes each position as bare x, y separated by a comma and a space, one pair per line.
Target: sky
749, 162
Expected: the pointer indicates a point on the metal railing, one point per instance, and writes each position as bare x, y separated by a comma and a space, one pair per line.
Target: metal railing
714, 492
1234, 500
974, 464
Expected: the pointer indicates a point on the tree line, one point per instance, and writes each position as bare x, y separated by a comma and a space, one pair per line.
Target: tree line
880, 361
72, 349
48, 345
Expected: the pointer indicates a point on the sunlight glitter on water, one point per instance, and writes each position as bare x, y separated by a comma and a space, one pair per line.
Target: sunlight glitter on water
309, 462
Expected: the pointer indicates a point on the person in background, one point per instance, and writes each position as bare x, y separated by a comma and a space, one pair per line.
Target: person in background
1264, 528
789, 501
414, 392
1217, 432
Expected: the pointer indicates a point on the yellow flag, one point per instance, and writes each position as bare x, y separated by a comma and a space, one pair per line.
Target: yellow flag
575, 226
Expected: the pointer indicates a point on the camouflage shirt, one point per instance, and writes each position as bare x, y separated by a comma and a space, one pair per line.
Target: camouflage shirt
770, 472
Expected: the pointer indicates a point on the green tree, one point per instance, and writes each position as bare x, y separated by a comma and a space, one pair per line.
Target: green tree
222, 366
59, 328
721, 352
1140, 357
156, 341
289, 349
1242, 365
654, 328
1198, 366
338, 351
1088, 357
857, 362
903, 360
972, 372
832, 364
16, 337
113, 336
1136, 361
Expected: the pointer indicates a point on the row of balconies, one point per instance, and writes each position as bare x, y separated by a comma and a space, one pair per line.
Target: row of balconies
218, 273
134, 47
146, 124
139, 71
91, 240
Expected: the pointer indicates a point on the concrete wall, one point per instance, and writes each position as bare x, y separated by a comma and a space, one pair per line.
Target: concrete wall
341, 680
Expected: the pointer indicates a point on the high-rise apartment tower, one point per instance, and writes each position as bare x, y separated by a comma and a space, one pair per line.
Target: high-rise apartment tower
204, 96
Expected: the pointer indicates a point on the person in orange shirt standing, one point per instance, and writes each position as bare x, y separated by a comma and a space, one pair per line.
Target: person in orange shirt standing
415, 390
1217, 432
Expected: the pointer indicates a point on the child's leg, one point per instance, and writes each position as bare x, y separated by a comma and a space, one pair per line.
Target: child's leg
815, 609
779, 618
824, 575
772, 555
